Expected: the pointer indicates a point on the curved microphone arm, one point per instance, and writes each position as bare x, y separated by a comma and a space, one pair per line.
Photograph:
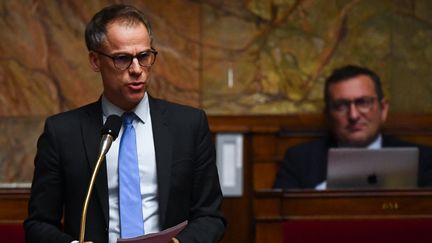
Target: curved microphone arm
107, 139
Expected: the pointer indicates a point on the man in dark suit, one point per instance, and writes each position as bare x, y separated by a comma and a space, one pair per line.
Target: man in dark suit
176, 157
356, 109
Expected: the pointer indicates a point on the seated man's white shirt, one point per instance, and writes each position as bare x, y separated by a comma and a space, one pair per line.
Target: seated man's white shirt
376, 144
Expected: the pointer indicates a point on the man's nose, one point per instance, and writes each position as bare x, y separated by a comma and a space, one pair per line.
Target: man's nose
135, 67
353, 112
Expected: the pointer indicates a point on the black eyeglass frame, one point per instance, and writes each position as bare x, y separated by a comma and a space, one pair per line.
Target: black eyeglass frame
116, 56
363, 104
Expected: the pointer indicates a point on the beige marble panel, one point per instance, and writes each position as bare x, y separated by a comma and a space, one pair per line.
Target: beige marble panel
271, 57
44, 67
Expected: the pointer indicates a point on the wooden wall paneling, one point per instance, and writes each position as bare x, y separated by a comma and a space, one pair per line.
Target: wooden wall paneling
269, 231
13, 211
265, 140
264, 146
264, 173
268, 150
13, 205
238, 210
264, 152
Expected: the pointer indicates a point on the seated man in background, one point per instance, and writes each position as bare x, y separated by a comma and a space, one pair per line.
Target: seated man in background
355, 110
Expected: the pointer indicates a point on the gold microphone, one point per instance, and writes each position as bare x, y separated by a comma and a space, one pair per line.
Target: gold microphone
110, 132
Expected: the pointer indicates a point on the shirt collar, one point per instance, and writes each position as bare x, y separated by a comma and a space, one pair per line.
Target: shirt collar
141, 110
376, 144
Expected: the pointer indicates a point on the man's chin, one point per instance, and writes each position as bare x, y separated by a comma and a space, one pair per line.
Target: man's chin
357, 142
353, 140
136, 97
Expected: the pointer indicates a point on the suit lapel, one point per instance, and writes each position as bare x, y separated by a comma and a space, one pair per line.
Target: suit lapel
388, 142
163, 150
91, 126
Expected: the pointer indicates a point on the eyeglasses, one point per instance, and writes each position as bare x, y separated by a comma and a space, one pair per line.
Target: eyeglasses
363, 104
123, 61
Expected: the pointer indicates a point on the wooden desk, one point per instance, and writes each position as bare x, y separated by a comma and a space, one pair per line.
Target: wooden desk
274, 207
266, 138
13, 211
13, 205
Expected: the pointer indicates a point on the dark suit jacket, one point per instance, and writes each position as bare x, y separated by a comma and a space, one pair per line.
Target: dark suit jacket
67, 150
305, 166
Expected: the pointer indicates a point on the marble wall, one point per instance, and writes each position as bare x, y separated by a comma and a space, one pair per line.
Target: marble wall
271, 57
225, 56
44, 67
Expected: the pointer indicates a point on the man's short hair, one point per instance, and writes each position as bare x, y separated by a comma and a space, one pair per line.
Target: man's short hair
95, 32
351, 71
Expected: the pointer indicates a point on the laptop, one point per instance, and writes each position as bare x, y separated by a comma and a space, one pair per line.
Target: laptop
386, 168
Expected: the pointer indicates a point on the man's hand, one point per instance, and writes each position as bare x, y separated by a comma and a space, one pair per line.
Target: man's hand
174, 240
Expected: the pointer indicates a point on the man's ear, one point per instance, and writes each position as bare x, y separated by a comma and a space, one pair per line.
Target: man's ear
94, 61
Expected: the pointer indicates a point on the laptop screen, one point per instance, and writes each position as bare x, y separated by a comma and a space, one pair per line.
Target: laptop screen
386, 168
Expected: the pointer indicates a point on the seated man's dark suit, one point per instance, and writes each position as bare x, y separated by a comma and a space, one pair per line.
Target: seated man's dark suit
188, 184
305, 165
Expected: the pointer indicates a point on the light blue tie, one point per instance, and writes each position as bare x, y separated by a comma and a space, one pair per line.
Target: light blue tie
131, 216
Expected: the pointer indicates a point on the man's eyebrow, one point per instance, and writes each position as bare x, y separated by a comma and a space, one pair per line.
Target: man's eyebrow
129, 54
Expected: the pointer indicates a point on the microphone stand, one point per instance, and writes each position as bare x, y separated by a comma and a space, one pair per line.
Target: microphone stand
104, 147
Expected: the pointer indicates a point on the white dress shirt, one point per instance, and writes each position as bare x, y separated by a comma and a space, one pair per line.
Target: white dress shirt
146, 165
